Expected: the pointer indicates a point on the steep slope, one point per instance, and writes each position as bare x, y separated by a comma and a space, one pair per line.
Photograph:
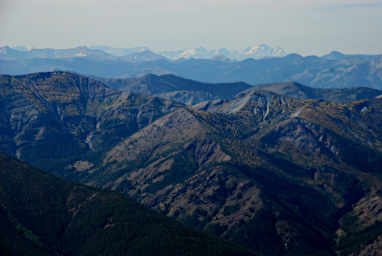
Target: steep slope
54, 217
176, 88
50, 119
338, 147
186, 174
280, 175
227, 171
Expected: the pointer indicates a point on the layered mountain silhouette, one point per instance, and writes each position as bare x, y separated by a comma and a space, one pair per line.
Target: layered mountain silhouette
256, 52
296, 90
9, 53
335, 70
191, 92
176, 88
44, 215
279, 175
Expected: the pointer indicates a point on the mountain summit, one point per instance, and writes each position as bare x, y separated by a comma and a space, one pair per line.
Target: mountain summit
256, 52
263, 51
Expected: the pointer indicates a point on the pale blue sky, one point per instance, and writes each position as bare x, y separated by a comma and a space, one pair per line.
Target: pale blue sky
303, 26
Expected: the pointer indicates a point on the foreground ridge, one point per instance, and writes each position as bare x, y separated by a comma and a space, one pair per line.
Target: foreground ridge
44, 215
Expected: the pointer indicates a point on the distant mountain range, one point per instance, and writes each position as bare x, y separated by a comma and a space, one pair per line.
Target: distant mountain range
119, 51
256, 52
9, 53
335, 70
294, 173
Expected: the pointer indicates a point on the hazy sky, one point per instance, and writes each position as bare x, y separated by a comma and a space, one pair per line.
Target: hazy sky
303, 26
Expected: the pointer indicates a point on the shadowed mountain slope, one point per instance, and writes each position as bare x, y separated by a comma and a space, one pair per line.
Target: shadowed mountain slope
191, 92
44, 215
51, 118
228, 170
176, 88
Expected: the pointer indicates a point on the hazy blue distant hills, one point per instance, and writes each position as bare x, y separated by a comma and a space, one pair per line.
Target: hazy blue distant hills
300, 91
83, 52
8, 53
50, 53
256, 52
119, 51
142, 56
336, 55
332, 71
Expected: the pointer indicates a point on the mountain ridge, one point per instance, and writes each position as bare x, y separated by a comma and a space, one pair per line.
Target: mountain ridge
257, 51
317, 72
192, 92
276, 174
175, 88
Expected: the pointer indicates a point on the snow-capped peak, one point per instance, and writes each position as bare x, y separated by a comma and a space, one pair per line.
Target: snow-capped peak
263, 51
256, 51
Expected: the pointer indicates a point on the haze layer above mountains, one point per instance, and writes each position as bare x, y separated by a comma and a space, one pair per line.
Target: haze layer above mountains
281, 169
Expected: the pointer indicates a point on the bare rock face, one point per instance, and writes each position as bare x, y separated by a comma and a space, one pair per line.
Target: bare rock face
81, 166
372, 249
360, 229
369, 211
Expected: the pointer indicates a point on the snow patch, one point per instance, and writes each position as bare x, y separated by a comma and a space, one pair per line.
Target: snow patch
297, 113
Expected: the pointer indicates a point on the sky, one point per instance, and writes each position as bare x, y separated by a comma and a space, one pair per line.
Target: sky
308, 27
